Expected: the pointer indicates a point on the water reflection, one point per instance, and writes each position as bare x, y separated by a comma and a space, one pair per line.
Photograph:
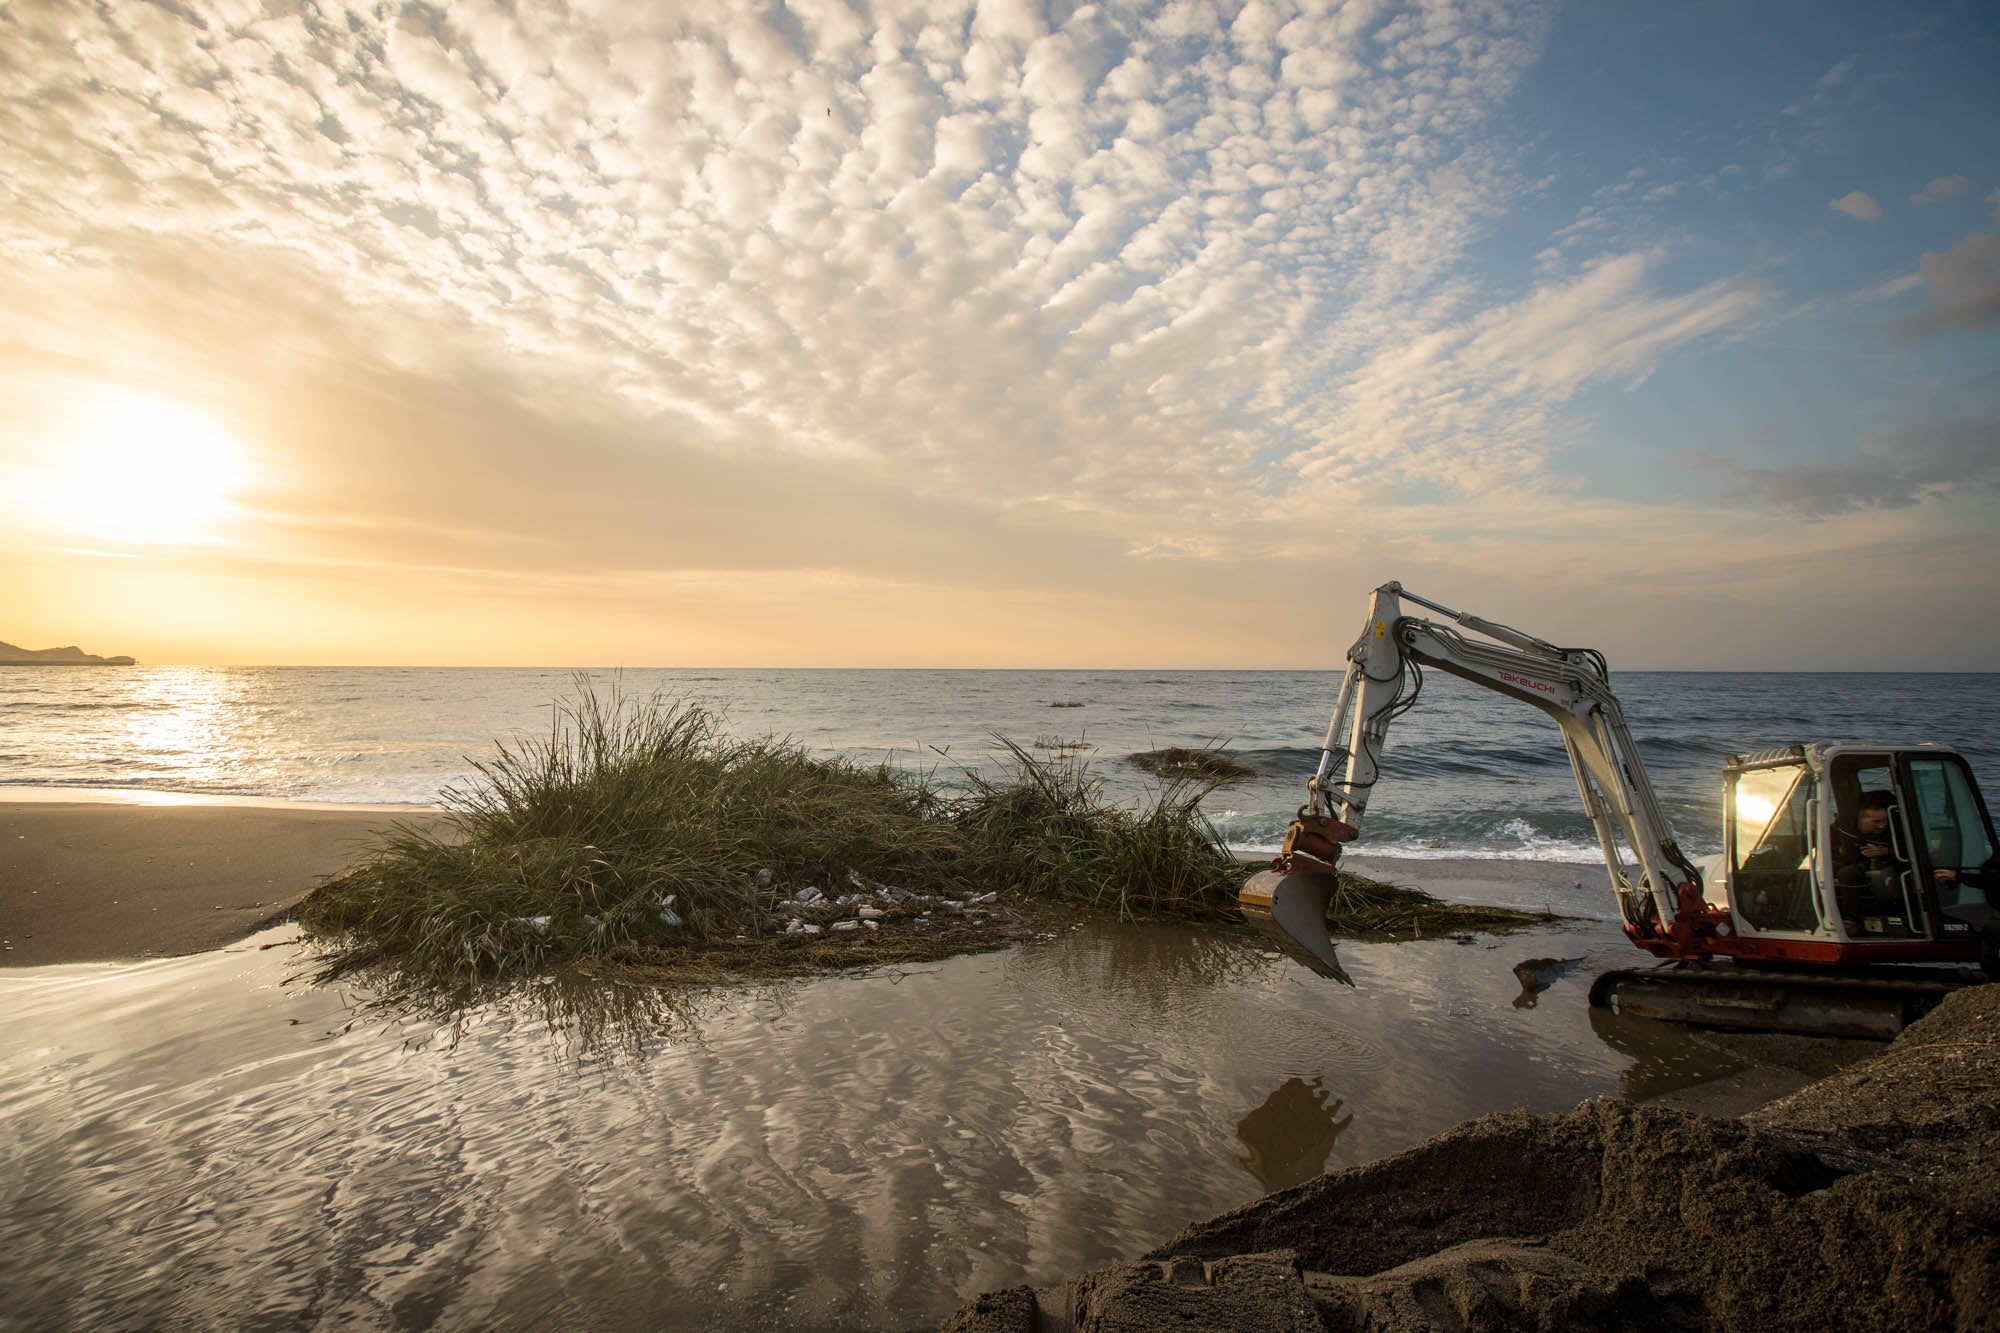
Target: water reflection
846, 1152
1153, 963
1537, 975
1665, 1056
1286, 1141
186, 725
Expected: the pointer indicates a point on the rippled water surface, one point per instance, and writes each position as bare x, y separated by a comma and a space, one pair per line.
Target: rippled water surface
195, 1142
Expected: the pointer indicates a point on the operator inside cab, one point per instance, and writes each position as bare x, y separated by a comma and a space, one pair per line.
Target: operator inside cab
1867, 873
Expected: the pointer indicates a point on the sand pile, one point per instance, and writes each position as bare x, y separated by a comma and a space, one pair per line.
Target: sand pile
1868, 1200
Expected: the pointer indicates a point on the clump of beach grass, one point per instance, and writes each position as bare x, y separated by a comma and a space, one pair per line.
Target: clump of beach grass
633, 824
640, 840
1047, 828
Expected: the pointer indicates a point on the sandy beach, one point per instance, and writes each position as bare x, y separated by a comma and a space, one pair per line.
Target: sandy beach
88, 881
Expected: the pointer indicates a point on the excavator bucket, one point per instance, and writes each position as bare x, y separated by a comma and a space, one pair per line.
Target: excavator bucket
1290, 906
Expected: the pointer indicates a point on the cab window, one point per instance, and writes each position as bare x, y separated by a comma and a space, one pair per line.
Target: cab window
1771, 841
1952, 827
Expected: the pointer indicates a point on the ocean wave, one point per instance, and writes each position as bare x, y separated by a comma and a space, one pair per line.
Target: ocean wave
1482, 835
1561, 853
1279, 761
1681, 745
1467, 759
386, 795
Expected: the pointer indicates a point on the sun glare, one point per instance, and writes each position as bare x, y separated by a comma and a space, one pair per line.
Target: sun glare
140, 470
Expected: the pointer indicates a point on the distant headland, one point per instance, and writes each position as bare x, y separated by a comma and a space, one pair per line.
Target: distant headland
70, 656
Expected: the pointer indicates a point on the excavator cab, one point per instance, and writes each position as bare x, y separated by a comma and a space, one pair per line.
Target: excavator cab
1849, 853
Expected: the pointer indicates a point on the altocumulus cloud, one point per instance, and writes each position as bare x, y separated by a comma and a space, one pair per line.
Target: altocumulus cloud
1135, 261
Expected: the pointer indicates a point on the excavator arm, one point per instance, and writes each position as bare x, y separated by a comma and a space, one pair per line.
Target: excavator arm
1658, 889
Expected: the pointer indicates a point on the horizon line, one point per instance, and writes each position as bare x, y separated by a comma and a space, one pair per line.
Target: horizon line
1121, 670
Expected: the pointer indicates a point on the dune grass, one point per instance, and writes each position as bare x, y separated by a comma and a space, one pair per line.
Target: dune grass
637, 825
638, 835
1047, 830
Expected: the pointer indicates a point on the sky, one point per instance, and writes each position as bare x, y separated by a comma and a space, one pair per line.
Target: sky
828, 333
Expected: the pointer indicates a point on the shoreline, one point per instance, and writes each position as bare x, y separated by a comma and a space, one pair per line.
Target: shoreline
154, 796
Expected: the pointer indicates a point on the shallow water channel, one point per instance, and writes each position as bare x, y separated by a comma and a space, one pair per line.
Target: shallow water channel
198, 1141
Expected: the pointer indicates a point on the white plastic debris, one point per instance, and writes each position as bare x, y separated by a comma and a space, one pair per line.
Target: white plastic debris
764, 878
854, 878
844, 926
871, 914
795, 927
812, 929
538, 924
984, 898
872, 925
808, 894
668, 916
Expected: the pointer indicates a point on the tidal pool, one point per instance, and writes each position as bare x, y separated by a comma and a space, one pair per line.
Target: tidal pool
204, 1141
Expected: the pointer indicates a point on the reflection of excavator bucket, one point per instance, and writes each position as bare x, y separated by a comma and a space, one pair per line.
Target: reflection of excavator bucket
1290, 907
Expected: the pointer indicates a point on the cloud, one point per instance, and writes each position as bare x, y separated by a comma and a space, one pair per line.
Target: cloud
1497, 376
1839, 74
598, 303
1940, 189
1962, 285
1858, 205
1102, 260
1895, 471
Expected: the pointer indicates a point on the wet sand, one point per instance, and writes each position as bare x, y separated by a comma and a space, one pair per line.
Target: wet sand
1561, 888
86, 881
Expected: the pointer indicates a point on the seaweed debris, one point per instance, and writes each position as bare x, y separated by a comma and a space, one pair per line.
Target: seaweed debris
1211, 765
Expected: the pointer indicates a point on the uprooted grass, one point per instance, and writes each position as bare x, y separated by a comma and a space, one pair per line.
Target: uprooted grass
640, 840
1369, 909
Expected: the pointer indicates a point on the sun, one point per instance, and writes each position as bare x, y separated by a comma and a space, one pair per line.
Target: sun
140, 471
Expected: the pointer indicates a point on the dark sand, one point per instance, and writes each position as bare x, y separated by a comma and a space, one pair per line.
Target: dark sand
82, 882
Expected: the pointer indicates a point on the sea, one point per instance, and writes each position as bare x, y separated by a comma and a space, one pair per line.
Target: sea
1467, 773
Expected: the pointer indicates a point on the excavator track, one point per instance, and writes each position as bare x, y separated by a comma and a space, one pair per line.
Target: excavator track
1872, 1005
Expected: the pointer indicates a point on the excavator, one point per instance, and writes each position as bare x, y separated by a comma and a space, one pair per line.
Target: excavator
1854, 884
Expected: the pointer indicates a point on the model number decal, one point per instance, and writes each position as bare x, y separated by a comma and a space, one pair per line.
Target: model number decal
1513, 679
